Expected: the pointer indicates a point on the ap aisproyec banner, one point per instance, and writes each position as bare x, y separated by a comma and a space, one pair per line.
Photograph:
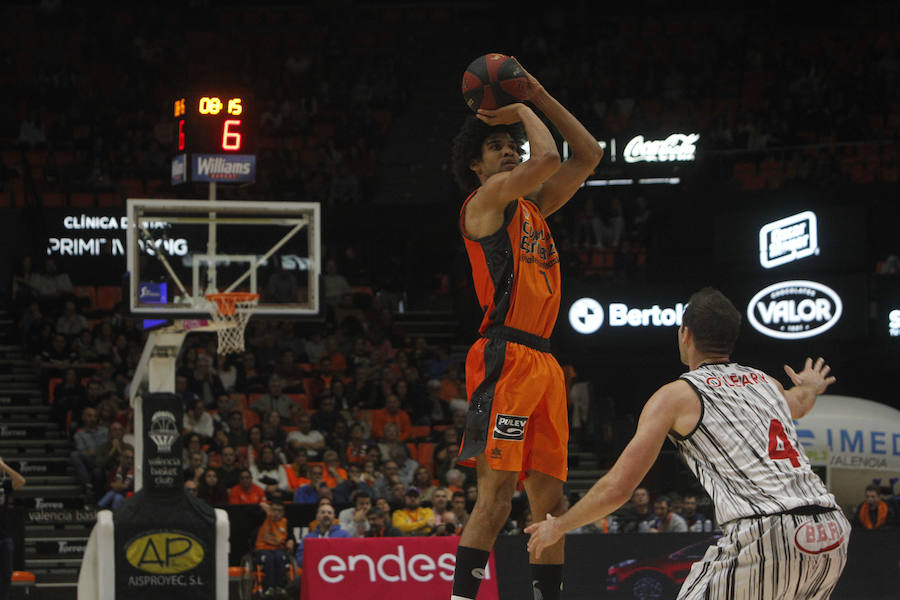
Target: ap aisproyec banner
164, 537
408, 568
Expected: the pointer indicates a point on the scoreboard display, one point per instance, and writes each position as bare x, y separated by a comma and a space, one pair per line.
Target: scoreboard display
215, 123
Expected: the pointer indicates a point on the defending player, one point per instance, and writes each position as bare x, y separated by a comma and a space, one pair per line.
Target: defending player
517, 425
785, 536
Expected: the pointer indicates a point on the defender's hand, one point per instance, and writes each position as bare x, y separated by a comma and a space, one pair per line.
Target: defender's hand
815, 375
543, 534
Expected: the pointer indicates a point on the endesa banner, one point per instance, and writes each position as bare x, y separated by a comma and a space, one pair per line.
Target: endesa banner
385, 569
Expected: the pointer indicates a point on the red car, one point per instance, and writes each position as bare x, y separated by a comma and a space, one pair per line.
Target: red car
656, 578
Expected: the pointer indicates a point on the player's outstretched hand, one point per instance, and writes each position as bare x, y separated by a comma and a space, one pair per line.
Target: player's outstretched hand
812, 374
543, 534
505, 115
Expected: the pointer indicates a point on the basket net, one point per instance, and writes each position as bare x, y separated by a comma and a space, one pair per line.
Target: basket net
230, 312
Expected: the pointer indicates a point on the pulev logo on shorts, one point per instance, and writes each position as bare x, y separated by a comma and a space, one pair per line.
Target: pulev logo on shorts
816, 538
509, 427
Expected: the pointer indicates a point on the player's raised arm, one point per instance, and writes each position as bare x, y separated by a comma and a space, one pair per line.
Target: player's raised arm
669, 409
586, 153
503, 178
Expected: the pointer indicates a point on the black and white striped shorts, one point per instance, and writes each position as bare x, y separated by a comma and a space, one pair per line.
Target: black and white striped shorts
797, 556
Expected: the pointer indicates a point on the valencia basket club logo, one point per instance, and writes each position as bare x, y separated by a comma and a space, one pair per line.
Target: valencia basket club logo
163, 431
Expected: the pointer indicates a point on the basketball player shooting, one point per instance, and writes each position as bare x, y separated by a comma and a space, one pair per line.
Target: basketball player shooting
517, 424
784, 534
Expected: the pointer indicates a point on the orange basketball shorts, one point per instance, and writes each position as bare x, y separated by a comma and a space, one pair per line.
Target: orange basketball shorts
517, 415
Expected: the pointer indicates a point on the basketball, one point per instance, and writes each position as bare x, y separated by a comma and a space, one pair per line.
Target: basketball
492, 81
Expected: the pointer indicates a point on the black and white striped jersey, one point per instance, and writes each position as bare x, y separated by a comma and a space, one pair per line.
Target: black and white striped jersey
745, 450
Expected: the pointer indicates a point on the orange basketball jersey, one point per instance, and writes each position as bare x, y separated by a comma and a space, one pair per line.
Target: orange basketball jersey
516, 271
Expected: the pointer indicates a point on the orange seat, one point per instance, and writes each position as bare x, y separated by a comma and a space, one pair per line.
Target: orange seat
419, 432
425, 453
86, 291
251, 418
22, 577
240, 397
52, 391
108, 296
413, 451
302, 400
81, 199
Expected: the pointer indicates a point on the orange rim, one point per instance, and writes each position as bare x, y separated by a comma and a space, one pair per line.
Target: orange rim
226, 300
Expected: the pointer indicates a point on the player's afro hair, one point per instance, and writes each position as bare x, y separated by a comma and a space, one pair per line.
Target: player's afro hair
467, 146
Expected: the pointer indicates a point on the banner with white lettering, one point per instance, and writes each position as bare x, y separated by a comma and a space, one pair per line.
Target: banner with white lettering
385, 569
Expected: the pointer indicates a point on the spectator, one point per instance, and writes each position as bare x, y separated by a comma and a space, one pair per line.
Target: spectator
327, 416
290, 373
307, 437
211, 490
69, 395
237, 435
414, 519
271, 430
195, 467
275, 400
273, 542
406, 466
226, 372
389, 475
312, 491
190, 486
267, 471
335, 284
229, 474
664, 521
458, 508
353, 483
295, 466
51, 283
246, 492
121, 481
446, 524
396, 496
333, 474
198, 421
691, 515
181, 388
423, 480
873, 512
391, 413
71, 323
87, 441
389, 441
355, 451
204, 382
58, 356
194, 446
379, 526
325, 528
637, 511
354, 519
109, 453
456, 481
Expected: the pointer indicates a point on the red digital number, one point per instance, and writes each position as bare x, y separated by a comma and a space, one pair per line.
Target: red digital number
231, 140
787, 451
181, 134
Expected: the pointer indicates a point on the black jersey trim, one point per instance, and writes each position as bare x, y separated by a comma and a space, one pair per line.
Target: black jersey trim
478, 415
678, 436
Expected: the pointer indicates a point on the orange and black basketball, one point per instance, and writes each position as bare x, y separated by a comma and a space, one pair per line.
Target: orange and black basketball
492, 81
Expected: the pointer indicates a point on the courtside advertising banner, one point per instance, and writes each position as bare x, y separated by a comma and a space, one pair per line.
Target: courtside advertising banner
385, 569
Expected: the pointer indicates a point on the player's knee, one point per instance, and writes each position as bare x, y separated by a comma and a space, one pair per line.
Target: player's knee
495, 512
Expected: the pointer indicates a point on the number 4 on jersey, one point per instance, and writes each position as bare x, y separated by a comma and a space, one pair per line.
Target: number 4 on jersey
780, 446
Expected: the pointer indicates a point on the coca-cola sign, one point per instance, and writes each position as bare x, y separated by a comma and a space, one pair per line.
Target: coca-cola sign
676, 147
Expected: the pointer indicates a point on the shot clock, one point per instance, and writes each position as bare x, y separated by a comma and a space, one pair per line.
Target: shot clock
215, 137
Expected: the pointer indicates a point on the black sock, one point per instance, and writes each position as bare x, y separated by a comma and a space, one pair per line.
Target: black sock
470, 563
546, 579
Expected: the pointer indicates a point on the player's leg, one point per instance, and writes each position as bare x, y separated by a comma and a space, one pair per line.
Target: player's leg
495, 492
545, 496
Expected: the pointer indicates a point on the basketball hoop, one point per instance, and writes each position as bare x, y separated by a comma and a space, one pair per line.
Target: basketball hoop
230, 313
